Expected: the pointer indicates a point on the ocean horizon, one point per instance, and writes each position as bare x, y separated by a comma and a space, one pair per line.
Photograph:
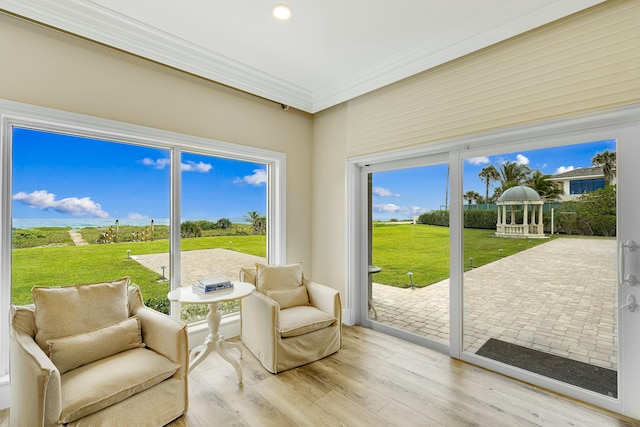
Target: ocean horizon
25, 223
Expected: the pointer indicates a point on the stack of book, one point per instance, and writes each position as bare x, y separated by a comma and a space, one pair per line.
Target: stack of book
213, 284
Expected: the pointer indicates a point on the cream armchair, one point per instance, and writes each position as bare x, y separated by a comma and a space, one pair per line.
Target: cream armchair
289, 321
66, 371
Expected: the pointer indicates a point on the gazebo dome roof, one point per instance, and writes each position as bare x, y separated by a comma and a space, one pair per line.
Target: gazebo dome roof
519, 193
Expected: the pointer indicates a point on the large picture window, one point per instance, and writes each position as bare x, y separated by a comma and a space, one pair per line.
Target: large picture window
88, 200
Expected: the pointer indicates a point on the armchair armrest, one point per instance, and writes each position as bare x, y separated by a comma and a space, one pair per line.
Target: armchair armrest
36, 395
325, 298
166, 336
259, 321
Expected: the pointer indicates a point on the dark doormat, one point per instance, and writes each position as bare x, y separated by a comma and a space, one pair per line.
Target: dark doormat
594, 378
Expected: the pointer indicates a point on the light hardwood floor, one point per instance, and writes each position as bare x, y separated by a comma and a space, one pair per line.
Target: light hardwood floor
376, 380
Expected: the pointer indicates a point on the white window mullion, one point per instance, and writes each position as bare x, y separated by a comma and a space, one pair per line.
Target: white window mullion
174, 228
456, 262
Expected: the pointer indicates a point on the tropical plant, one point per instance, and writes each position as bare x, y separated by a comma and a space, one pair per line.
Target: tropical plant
223, 223
471, 196
258, 222
544, 186
512, 174
489, 174
190, 229
607, 161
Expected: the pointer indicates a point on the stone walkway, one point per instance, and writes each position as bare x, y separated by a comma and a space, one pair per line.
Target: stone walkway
202, 263
559, 297
77, 238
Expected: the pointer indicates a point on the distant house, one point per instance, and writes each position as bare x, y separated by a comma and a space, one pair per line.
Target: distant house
580, 181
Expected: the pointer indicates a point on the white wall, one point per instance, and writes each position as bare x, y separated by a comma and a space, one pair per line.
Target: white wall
47, 68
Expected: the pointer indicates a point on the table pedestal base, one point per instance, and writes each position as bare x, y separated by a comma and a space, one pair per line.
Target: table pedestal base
215, 343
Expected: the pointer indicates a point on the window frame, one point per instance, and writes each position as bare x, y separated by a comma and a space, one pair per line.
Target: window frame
14, 114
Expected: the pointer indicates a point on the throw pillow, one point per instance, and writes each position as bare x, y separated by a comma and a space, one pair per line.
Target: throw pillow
71, 352
276, 277
72, 310
290, 297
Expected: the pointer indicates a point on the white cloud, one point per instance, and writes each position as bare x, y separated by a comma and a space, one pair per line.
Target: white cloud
135, 215
259, 177
521, 159
43, 200
383, 192
189, 166
563, 169
386, 208
479, 160
156, 164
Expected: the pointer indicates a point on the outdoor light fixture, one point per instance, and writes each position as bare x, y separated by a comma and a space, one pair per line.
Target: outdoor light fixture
281, 12
128, 253
410, 274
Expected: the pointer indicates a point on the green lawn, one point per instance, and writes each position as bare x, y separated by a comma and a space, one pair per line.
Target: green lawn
64, 265
398, 249
424, 250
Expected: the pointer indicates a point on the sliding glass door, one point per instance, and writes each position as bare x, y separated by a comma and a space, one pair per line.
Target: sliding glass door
531, 242
408, 250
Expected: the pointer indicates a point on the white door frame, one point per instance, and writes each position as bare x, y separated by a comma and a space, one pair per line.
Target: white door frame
622, 124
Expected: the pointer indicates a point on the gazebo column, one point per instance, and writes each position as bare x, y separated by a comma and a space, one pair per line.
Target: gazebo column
533, 220
513, 216
541, 220
525, 219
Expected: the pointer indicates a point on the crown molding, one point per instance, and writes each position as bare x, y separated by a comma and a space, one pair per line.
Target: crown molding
97, 23
92, 21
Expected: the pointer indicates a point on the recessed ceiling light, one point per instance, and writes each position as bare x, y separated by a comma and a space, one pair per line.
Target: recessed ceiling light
281, 12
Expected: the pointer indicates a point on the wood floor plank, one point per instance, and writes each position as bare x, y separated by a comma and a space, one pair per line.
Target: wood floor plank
300, 410
375, 380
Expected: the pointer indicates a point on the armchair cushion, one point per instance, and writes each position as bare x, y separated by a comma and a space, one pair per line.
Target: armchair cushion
302, 320
71, 310
278, 277
289, 297
107, 381
71, 352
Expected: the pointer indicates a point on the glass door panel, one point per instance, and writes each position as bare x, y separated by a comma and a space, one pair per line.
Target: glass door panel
409, 250
540, 256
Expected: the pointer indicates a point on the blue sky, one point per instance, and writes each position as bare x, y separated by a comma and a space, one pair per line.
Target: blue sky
59, 176
404, 193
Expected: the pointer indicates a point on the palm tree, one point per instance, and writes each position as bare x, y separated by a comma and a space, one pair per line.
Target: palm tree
607, 161
489, 174
256, 221
471, 196
512, 174
544, 186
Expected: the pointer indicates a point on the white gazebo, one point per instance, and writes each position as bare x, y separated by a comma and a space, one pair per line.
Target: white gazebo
529, 201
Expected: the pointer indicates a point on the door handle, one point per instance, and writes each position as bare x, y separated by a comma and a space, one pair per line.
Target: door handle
630, 305
629, 279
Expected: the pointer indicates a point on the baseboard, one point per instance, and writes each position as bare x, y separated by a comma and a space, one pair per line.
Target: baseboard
348, 317
5, 398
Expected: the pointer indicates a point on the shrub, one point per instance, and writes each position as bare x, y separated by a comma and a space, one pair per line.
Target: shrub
480, 219
592, 214
440, 218
158, 304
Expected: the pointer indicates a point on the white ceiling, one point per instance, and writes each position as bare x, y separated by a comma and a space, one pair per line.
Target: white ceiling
330, 50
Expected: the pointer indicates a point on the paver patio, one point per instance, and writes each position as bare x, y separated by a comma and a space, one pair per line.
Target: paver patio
559, 297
